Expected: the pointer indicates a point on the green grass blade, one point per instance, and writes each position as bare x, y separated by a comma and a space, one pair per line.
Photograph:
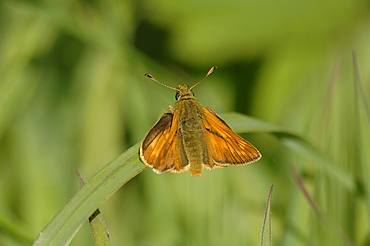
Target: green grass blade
64, 226
321, 215
266, 234
98, 227
363, 124
99, 230
242, 123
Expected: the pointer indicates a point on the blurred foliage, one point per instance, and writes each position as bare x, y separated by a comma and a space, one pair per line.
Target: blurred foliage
73, 96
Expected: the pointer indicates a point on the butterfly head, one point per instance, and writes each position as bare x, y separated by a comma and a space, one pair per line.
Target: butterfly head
184, 93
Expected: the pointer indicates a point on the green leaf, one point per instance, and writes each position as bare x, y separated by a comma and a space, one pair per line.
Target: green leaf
99, 230
64, 226
98, 227
242, 123
266, 234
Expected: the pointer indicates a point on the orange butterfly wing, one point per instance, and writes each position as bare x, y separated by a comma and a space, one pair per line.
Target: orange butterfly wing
225, 147
161, 147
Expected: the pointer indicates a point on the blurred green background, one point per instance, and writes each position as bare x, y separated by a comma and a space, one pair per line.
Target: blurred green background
73, 96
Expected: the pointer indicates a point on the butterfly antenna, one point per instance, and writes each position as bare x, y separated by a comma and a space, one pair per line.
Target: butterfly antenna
152, 78
209, 72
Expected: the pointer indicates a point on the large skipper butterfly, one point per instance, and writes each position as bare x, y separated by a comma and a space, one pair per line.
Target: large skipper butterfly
190, 136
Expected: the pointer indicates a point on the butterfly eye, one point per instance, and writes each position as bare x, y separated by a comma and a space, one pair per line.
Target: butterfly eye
177, 95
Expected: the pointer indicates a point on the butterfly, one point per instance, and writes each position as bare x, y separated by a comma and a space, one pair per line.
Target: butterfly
192, 137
